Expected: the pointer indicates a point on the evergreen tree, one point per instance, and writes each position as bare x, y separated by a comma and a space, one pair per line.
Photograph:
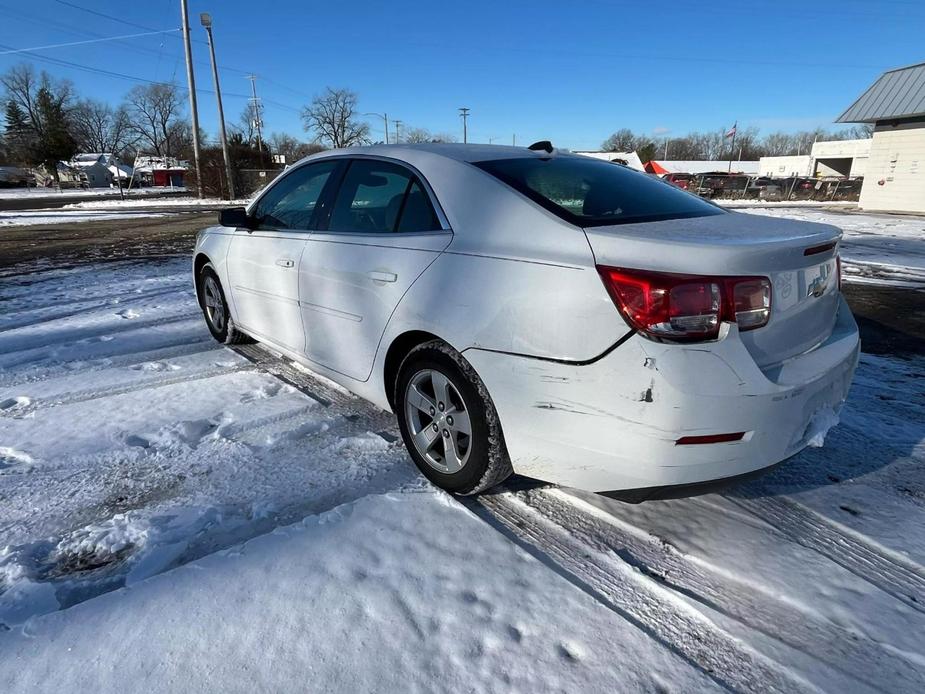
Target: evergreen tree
18, 134
55, 142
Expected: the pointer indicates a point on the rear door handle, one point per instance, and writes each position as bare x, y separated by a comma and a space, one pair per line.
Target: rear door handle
285, 262
382, 276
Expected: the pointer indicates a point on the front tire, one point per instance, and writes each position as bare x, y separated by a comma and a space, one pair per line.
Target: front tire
448, 421
215, 309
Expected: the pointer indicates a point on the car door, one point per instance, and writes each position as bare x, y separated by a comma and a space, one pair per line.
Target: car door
263, 262
381, 231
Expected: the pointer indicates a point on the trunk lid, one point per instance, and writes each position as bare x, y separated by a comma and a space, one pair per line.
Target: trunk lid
798, 258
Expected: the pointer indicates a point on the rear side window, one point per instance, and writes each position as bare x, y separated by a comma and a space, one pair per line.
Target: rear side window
590, 192
291, 202
381, 197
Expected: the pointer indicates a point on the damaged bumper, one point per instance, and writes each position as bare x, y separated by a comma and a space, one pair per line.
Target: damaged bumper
615, 424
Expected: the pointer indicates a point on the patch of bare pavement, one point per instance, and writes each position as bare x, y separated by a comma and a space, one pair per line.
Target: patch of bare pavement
99, 241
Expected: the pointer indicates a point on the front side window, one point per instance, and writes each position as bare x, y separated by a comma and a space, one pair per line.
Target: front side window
589, 192
291, 202
381, 197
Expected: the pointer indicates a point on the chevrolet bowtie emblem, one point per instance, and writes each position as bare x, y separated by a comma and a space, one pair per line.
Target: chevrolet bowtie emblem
817, 288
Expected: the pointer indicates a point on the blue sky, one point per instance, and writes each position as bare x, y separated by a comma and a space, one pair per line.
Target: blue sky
572, 72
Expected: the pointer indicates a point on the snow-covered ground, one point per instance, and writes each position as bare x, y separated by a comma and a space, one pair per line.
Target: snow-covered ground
736, 203
883, 248
147, 202
178, 516
31, 217
39, 193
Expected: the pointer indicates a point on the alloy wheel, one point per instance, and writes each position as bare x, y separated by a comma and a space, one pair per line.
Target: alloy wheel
214, 305
438, 420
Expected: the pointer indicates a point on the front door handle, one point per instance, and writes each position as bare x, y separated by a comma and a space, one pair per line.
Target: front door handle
382, 276
285, 262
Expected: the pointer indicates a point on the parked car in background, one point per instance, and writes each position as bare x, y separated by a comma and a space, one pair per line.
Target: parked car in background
540, 313
681, 180
14, 177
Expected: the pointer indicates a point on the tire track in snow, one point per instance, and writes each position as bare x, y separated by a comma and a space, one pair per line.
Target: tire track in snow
851, 653
639, 600
25, 346
101, 363
894, 575
380, 421
96, 304
145, 384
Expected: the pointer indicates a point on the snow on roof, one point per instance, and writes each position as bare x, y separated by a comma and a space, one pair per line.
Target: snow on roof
697, 167
151, 163
631, 159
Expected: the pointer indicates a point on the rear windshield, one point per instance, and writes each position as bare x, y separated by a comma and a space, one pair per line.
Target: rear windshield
590, 192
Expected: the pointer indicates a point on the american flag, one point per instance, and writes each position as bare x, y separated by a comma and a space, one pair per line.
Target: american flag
732, 131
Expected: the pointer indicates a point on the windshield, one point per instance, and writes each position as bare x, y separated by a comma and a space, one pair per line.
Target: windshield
590, 192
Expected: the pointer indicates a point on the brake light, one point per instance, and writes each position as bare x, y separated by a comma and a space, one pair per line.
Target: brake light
687, 308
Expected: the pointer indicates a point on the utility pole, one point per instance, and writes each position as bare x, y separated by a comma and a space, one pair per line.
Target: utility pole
514, 140
191, 83
258, 123
397, 124
464, 114
206, 20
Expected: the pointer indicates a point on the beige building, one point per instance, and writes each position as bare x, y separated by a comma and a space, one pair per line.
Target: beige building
827, 158
895, 175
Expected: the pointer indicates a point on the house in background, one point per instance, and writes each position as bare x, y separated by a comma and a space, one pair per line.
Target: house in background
895, 175
95, 167
160, 171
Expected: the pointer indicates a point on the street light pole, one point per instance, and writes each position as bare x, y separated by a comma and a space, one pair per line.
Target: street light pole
191, 83
464, 114
385, 118
206, 20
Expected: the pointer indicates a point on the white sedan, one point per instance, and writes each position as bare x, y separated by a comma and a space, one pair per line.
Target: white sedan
533, 311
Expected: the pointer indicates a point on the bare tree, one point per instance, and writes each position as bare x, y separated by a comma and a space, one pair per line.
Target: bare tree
23, 87
624, 140
331, 118
416, 135
247, 123
100, 128
38, 113
155, 112
291, 148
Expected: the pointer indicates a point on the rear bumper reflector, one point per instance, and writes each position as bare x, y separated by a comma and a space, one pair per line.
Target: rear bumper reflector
711, 438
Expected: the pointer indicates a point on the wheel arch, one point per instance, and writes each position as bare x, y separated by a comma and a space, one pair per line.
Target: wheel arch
395, 355
199, 262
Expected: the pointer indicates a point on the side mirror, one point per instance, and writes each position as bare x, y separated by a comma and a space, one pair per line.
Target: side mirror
235, 217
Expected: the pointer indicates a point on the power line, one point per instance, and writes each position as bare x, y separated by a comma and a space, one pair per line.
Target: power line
142, 49
143, 80
85, 41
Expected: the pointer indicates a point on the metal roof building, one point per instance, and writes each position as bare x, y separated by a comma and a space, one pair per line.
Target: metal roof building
895, 104
899, 93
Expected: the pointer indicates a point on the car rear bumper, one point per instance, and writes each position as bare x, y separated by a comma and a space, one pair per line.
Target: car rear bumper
614, 424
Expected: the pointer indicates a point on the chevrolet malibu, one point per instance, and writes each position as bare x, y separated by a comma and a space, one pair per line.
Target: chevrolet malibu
533, 311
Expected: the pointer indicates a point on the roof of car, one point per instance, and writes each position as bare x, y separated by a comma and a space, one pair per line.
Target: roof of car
450, 150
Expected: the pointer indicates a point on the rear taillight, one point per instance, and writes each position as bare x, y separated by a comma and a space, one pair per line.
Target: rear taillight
687, 308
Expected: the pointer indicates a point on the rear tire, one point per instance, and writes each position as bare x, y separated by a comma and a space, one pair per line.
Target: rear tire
448, 422
215, 309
